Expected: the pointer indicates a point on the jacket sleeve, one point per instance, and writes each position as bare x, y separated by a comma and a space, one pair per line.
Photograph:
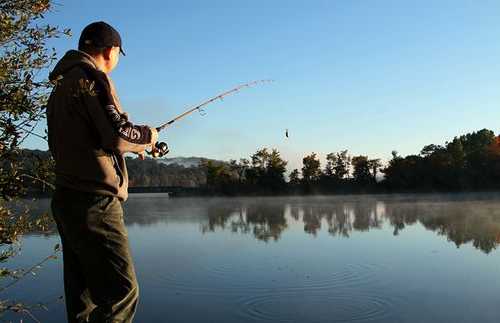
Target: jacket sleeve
116, 132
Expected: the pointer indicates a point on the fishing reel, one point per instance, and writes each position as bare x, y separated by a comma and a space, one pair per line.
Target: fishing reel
159, 150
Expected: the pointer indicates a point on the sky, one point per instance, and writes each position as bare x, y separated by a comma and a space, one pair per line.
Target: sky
367, 76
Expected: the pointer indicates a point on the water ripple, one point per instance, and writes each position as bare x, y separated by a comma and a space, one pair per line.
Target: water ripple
336, 305
348, 296
351, 294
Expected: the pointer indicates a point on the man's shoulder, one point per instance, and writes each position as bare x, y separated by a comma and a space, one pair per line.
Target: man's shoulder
75, 82
75, 74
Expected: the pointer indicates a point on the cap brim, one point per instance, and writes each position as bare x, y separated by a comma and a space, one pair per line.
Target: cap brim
122, 52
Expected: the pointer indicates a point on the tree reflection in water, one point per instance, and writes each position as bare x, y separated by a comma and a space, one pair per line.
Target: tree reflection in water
460, 221
265, 222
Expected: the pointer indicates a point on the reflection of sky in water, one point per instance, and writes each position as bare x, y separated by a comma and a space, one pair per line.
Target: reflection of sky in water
201, 260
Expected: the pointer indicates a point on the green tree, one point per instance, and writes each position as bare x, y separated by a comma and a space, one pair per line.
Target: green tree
402, 173
260, 158
342, 165
494, 162
311, 168
331, 160
456, 150
275, 170
430, 149
294, 177
23, 94
218, 174
477, 141
361, 172
24, 56
467, 162
476, 147
267, 170
258, 162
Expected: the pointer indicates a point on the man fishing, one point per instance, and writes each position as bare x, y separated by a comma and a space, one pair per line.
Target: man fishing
88, 134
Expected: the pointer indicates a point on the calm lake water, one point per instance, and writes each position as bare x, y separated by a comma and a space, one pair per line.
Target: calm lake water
406, 258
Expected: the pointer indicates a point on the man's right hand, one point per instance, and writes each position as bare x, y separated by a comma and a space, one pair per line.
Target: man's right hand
154, 139
154, 136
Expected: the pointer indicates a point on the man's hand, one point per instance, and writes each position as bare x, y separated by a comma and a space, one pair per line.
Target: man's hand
154, 139
154, 136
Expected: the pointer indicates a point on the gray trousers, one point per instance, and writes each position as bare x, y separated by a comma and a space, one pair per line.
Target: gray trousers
99, 278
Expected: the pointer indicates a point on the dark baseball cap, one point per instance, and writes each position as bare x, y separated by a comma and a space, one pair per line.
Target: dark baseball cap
100, 34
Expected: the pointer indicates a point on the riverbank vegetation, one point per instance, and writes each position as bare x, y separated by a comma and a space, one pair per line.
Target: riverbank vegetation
24, 57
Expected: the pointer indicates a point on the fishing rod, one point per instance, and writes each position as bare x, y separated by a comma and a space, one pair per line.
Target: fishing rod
161, 148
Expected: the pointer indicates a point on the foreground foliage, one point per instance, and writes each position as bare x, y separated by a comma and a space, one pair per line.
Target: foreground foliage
24, 57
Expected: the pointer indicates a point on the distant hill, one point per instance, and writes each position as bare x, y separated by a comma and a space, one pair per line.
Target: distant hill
178, 171
182, 161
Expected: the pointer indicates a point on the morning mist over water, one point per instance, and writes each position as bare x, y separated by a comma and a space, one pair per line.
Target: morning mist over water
366, 258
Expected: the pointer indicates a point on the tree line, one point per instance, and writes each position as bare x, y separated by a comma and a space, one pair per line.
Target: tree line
469, 162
